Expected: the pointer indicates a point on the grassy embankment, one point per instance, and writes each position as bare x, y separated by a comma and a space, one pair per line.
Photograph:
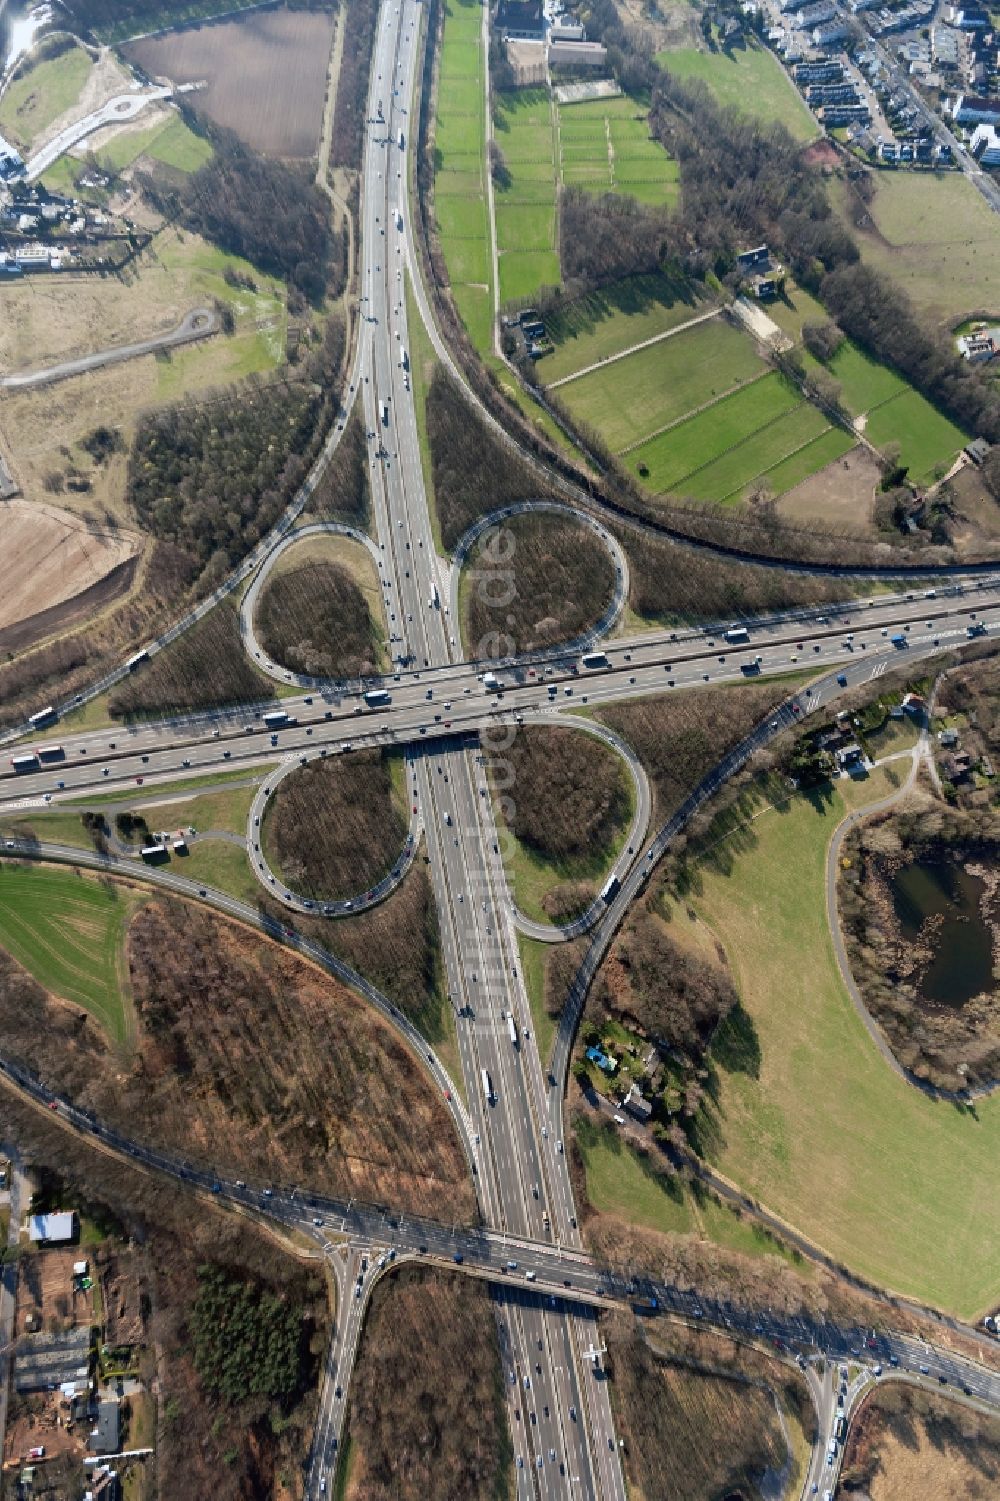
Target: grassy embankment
814, 1124
67, 929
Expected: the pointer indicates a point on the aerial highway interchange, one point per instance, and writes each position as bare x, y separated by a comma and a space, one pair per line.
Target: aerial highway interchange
545, 1287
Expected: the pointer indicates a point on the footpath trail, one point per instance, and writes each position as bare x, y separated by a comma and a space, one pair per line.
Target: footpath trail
623, 354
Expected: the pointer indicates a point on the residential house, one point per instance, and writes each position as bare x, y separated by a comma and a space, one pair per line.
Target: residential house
829, 33
945, 47
521, 18
52, 1229
105, 1436
636, 1104
978, 349
754, 260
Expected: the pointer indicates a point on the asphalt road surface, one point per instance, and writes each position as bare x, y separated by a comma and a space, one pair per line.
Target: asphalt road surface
199, 323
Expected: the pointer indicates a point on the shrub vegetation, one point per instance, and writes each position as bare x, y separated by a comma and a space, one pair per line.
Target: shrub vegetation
315, 619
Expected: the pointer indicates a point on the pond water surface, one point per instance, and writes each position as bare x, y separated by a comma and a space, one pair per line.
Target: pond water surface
962, 943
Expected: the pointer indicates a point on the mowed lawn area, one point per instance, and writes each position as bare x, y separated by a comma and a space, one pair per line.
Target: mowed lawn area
590, 329
605, 147
525, 203
932, 234
459, 182
67, 929
748, 79
808, 1118
893, 411
639, 395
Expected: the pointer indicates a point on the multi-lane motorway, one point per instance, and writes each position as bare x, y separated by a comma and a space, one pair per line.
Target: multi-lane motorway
439, 706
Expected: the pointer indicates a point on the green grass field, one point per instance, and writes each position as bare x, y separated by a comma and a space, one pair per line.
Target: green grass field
686, 448
533, 954
67, 929
591, 328
523, 128
608, 149
172, 142
791, 435
645, 391
460, 183
808, 1118
932, 234
750, 80
928, 441
46, 91
620, 1183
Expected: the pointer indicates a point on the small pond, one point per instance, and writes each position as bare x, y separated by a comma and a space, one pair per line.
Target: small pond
962, 962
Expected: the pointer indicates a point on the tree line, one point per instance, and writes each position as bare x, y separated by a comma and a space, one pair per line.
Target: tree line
213, 478
269, 212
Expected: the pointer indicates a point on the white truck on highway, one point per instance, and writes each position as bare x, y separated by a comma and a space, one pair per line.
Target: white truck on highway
435, 599
376, 698
404, 360
491, 682
399, 220
512, 1028
737, 635
488, 1095
594, 659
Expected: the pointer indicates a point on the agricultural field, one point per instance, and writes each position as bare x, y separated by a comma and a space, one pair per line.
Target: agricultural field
640, 395
525, 203
460, 187
933, 235
600, 325
67, 928
47, 90
809, 1119
605, 147
178, 272
748, 79
892, 412
53, 565
266, 75
700, 414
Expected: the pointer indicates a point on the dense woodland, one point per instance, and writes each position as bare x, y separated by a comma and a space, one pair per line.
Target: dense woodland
349, 112
203, 668
269, 212
564, 794
543, 579
334, 828
427, 1419
603, 237
213, 477
248, 1060
929, 1039
314, 619
473, 472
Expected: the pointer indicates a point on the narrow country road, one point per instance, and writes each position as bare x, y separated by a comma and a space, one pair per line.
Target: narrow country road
199, 323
